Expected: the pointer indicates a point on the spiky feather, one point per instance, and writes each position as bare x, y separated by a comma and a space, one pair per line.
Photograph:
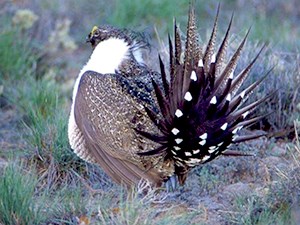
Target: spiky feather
201, 110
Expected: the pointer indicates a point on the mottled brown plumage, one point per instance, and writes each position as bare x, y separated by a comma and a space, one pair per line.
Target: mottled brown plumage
139, 124
107, 120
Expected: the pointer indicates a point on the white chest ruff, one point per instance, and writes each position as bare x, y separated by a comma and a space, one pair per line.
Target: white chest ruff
106, 58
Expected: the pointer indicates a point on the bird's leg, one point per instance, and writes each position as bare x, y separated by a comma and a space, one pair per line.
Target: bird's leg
171, 183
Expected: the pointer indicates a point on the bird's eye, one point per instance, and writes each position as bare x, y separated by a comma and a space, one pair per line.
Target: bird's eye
96, 33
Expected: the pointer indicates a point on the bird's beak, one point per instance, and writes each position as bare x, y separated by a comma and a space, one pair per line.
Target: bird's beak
88, 38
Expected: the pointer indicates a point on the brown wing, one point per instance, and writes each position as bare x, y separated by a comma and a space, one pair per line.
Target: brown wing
105, 115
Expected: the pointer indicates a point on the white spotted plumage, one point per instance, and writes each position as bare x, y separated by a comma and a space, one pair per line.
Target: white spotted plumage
228, 98
175, 131
203, 142
243, 94
188, 96
205, 158
213, 58
224, 126
188, 154
196, 151
245, 114
193, 76
212, 150
200, 97
178, 113
177, 148
213, 100
203, 136
221, 143
200, 63
178, 140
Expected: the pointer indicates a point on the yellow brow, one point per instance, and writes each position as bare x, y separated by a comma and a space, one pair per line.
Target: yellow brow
94, 29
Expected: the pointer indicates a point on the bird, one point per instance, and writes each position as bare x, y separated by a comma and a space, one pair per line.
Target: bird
137, 123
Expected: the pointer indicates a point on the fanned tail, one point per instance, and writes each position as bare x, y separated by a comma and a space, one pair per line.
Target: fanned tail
201, 108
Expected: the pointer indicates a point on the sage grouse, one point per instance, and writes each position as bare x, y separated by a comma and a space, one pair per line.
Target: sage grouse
136, 123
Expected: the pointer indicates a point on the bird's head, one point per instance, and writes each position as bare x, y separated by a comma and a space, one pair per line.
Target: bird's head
99, 34
133, 39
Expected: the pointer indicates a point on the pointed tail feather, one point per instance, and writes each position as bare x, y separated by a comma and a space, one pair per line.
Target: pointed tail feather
248, 137
223, 48
210, 49
200, 110
243, 75
231, 65
236, 153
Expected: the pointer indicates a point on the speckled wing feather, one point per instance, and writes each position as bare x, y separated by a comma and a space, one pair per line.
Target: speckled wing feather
105, 114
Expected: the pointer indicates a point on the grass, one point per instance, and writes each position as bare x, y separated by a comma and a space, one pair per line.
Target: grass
67, 205
50, 184
45, 194
17, 202
24, 201
209, 181
37, 99
16, 56
45, 121
280, 204
143, 205
251, 210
